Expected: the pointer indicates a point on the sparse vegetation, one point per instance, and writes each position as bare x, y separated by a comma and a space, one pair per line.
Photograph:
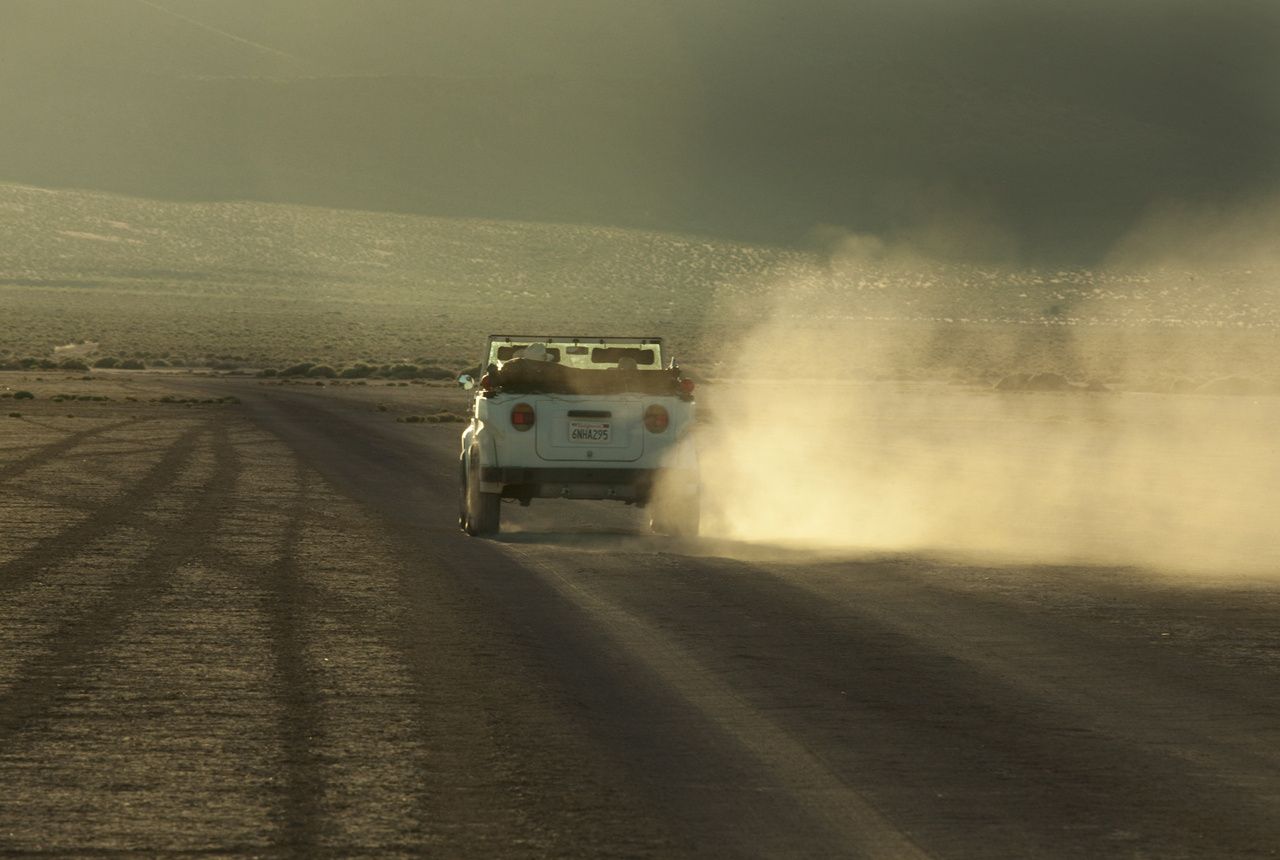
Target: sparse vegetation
23, 395
398, 374
28, 363
443, 417
196, 401
111, 362
402, 371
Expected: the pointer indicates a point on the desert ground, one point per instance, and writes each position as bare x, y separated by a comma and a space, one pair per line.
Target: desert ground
237, 618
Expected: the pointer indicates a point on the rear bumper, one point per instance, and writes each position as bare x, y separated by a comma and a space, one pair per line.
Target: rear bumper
633, 485
561, 475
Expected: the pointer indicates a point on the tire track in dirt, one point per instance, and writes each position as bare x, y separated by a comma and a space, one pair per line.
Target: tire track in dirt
54, 450
304, 824
344, 762
434, 690
67, 543
379, 720
46, 679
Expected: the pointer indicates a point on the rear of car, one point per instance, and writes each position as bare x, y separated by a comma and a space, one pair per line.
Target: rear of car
599, 418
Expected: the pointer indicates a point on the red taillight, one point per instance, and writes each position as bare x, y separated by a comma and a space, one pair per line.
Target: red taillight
522, 416
686, 386
656, 419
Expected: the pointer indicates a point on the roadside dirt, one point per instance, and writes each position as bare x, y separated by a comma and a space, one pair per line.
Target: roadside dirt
250, 627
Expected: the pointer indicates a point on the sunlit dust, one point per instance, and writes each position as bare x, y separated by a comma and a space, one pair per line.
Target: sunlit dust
804, 447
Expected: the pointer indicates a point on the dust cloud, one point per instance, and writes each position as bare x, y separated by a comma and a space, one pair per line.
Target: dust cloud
802, 448
1175, 235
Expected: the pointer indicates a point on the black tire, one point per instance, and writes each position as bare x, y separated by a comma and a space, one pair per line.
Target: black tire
481, 512
462, 492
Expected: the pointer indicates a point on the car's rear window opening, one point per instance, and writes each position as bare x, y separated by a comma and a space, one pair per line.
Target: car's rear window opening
614, 354
506, 353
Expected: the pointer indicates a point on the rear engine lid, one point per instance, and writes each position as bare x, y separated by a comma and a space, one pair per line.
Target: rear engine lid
589, 431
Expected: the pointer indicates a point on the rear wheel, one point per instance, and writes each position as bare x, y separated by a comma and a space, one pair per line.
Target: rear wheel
462, 492
481, 513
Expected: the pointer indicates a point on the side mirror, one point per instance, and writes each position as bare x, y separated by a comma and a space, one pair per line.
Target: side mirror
466, 381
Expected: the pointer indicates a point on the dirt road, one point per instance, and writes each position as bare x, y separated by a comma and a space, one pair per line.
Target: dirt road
254, 629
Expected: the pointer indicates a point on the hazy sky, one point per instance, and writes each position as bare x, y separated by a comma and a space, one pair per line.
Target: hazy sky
1060, 123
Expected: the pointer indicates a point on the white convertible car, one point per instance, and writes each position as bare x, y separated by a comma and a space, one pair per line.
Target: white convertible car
579, 418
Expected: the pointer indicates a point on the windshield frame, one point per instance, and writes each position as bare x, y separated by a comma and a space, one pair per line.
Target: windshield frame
576, 352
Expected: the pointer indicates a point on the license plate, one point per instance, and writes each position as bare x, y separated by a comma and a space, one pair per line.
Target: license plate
589, 431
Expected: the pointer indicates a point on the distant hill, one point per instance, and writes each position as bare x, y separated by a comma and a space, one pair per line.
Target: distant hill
261, 284
269, 284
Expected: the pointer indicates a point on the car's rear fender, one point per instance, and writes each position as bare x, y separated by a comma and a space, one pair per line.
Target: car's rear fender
478, 439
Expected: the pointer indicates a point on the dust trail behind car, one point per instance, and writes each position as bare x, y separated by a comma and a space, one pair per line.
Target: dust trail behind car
1126, 479
806, 452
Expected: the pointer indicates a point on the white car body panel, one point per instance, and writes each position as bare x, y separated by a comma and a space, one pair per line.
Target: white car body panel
583, 446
